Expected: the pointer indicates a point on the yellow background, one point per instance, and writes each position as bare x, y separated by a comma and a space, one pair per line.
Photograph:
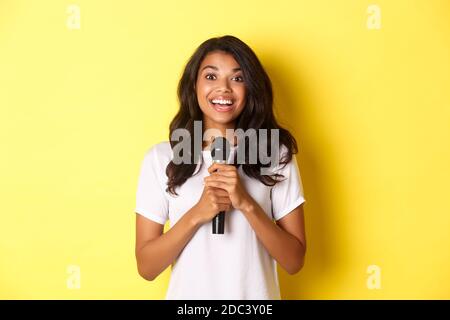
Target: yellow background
370, 109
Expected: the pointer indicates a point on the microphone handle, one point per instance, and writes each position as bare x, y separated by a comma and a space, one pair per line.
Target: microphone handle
218, 223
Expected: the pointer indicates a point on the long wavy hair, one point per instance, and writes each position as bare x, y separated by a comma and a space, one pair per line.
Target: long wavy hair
256, 114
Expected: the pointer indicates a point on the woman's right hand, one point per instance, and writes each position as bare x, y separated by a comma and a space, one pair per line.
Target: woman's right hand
212, 201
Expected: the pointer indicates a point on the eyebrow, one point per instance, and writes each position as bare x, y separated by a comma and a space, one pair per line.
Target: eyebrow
215, 68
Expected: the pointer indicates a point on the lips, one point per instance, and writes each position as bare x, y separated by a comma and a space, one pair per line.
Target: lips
219, 108
222, 107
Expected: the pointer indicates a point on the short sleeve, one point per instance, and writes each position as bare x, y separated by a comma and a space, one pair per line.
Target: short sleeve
151, 201
287, 194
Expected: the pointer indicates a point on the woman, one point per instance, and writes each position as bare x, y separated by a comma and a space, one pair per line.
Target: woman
225, 87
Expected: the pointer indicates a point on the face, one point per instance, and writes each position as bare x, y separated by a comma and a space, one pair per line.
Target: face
220, 90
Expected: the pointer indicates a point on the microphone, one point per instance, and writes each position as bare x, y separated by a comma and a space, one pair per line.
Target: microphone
220, 151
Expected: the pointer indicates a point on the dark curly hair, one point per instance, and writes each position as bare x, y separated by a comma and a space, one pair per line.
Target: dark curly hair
256, 114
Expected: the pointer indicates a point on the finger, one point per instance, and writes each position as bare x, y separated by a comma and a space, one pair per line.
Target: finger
225, 173
218, 191
224, 207
223, 200
221, 167
221, 193
220, 178
217, 184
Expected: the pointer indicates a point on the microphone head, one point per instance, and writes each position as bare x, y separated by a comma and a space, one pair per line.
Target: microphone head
220, 149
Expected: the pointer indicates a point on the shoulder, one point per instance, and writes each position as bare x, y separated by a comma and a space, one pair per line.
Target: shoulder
280, 164
159, 153
283, 154
283, 151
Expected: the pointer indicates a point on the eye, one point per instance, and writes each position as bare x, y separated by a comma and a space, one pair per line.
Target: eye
209, 75
240, 78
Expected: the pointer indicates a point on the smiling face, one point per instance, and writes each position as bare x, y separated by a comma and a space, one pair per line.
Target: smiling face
220, 90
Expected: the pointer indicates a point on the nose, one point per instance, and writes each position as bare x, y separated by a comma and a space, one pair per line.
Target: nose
223, 85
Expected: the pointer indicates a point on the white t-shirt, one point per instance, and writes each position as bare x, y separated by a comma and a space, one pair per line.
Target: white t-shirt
234, 265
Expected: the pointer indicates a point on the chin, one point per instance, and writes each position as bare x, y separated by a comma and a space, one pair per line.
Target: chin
222, 120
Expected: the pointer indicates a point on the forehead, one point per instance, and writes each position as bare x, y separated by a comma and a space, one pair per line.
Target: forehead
219, 59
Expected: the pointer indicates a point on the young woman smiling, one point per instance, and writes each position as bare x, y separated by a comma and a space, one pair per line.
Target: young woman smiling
225, 86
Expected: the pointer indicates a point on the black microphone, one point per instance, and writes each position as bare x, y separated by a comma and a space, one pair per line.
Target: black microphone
220, 151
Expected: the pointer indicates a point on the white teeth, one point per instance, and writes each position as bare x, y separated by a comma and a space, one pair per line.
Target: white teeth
219, 101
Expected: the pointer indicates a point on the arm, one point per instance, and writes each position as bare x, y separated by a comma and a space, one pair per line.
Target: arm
285, 241
156, 250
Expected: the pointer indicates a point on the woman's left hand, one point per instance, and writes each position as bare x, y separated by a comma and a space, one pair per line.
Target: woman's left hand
227, 177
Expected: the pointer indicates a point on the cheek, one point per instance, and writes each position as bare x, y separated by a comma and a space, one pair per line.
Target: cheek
201, 91
241, 91
241, 105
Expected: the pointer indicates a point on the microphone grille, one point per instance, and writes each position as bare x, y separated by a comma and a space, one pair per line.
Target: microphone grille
220, 149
